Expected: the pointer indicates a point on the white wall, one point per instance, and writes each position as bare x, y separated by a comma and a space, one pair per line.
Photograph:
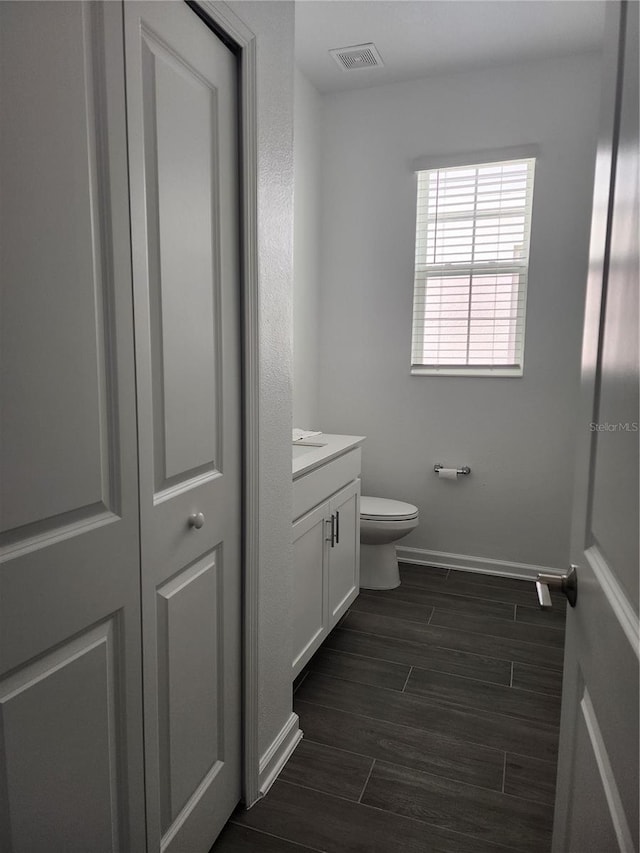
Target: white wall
306, 252
273, 25
515, 433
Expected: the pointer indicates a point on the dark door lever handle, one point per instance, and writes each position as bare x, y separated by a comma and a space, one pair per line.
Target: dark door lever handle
568, 584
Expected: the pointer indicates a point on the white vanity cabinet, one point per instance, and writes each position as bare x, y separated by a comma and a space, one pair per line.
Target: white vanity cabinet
326, 542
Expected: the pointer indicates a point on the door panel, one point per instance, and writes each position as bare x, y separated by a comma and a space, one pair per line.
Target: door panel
62, 766
181, 101
597, 806
344, 557
181, 124
589, 787
70, 668
67, 441
309, 583
615, 512
189, 676
600, 686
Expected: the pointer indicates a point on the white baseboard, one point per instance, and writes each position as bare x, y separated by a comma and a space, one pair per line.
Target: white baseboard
278, 753
464, 562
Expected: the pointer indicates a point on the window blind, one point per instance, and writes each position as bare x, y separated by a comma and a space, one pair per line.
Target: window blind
471, 264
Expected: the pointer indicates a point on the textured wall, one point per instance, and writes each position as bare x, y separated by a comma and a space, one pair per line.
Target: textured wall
306, 252
516, 433
273, 25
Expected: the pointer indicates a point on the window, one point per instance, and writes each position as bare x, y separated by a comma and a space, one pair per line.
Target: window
471, 265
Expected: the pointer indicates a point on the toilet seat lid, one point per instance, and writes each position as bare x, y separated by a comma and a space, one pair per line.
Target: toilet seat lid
384, 509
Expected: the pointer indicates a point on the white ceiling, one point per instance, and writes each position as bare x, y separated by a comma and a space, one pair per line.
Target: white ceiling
417, 38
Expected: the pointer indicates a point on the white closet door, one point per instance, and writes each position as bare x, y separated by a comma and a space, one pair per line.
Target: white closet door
70, 673
182, 112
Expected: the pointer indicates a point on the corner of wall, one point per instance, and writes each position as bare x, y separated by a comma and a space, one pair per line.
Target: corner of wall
306, 253
273, 26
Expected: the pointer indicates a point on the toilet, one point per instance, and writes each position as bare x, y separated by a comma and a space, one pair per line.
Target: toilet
382, 523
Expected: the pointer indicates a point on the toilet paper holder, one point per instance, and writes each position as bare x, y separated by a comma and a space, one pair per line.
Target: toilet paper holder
464, 470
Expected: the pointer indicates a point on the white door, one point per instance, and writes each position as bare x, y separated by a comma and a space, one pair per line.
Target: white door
597, 799
182, 121
71, 770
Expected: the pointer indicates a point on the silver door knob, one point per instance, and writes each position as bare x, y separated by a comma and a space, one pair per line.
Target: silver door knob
196, 520
568, 584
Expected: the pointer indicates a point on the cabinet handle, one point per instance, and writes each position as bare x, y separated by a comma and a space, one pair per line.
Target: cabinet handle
337, 527
333, 529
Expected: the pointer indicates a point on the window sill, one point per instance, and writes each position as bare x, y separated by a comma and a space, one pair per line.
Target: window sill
467, 371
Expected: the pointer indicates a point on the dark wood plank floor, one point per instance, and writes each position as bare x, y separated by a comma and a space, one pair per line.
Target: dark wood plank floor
430, 719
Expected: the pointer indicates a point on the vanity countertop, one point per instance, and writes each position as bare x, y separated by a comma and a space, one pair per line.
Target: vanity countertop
306, 458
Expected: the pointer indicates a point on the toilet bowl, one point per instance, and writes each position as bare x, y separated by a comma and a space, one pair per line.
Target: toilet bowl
382, 523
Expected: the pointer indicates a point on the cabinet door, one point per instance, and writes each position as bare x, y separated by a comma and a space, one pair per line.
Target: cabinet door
344, 557
309, 584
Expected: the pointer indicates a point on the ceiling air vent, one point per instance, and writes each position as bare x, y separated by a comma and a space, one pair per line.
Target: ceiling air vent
357, 56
